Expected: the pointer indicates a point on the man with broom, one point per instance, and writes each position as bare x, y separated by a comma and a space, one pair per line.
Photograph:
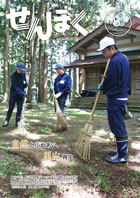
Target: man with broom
62, 87
116, 86
17, 93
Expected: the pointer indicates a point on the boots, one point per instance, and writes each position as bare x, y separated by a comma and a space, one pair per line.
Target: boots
5, 124
122, 153
113, 152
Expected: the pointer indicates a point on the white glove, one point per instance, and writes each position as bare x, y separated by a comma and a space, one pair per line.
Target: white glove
52, 87
57, 95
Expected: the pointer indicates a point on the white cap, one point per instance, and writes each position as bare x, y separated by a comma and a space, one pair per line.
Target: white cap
105, 42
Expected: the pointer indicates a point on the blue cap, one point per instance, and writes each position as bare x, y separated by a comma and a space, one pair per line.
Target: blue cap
20, 66
59, 66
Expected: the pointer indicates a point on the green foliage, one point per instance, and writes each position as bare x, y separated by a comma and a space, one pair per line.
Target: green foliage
11, 167
38, 193
56, 168
45, 129
136, 176
138, 193
101, 182
72, 166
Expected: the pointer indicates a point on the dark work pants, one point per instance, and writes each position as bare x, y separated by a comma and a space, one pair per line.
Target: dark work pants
12, 102
116, 110
62, 101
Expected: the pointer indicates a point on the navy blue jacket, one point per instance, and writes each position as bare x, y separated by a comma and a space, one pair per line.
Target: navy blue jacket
62, 84
117, 81
18, 84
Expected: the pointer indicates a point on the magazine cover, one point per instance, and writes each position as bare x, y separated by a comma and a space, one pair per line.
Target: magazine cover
70, 99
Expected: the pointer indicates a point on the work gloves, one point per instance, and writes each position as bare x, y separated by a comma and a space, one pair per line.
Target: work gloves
100, 86
57, 95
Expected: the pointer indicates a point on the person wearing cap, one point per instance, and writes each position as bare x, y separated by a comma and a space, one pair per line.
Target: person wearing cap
62, 86
17, 94
116, 86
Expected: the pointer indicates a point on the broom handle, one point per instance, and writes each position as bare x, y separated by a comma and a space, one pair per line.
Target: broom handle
25, 97
55, 100
99, 91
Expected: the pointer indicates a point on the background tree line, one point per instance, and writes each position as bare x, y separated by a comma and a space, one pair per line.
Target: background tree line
40, 56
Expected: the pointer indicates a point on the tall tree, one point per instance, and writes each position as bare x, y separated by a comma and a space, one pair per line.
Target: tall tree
40, 90
46, 72
33, 60
6, 54
46, 63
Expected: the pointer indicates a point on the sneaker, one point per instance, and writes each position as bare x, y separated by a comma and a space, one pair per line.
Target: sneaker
5, 124
66, 130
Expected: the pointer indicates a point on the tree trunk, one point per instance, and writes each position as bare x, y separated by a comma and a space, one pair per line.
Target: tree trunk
0, 79
46, 73
6, 56
33, 61
33, 71
46, 63
30, 53
40, 93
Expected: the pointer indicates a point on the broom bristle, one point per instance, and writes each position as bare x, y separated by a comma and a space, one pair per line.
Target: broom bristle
82, 148
31, 154
88, 128
21, 124
61, 121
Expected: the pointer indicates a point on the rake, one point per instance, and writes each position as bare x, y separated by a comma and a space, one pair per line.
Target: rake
82, 148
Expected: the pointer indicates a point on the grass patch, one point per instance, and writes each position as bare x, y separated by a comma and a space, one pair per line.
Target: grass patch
136, 176
45, 129
11, 167
101, 182
38, 193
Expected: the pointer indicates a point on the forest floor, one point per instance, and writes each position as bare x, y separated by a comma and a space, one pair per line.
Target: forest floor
96, 179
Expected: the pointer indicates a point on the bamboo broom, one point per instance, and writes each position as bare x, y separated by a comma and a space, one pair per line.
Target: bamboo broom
21, 123
82, 148
30, 154
61, 123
